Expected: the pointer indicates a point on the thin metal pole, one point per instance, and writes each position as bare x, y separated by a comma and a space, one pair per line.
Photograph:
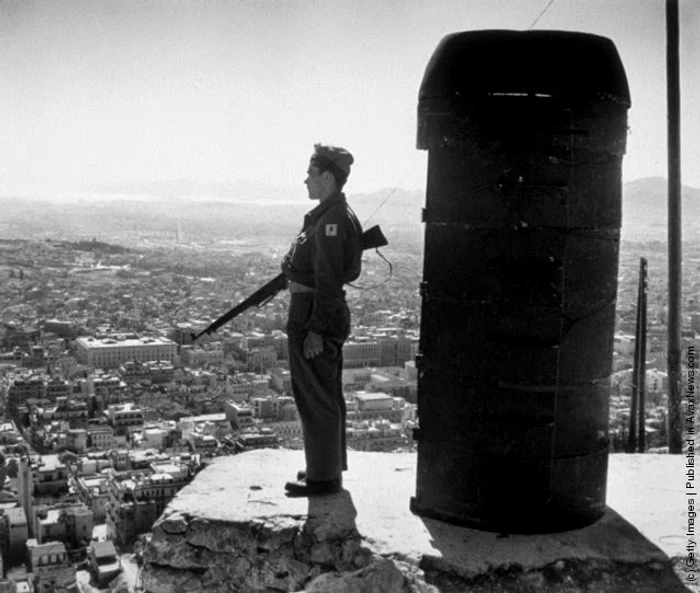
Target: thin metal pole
642, 364
634, 401
674, 228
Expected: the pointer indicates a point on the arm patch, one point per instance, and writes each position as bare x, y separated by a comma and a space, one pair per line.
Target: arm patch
331, 230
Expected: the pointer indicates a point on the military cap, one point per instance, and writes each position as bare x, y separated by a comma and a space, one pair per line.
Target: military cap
332, 157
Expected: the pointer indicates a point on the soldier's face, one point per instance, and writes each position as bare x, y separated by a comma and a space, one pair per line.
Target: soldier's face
318, 184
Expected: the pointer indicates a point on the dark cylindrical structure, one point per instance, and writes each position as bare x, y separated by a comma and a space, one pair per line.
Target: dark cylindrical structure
525, 133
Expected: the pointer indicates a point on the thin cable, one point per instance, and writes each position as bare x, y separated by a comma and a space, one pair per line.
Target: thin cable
373, 286
391, 267
378, 208
546, 8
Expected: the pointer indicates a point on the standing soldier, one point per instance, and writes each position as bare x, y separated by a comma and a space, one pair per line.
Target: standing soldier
324, 256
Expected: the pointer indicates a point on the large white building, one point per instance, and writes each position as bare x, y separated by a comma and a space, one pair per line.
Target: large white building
375, 401
112, 351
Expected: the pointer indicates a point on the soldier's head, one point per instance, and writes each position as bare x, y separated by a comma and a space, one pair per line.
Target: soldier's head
328, 171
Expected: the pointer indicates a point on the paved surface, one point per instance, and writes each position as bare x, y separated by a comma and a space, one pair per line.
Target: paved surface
645, 523
649, 491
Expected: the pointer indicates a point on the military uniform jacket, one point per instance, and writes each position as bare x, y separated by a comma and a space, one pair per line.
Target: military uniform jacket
325, 255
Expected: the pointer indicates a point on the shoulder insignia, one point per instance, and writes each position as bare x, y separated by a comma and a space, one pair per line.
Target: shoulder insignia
331, 230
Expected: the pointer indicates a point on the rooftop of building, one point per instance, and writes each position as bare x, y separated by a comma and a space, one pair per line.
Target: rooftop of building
214, 417
134, 480
16, 515
104, 549
50, 463
122, 341
125, 407
372, 396
168, 468
52, 516
52, 547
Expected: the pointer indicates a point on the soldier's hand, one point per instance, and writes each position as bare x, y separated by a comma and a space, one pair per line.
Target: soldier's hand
313, 345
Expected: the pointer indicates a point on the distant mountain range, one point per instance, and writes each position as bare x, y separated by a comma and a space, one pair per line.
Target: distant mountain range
644, 207
644, 200
253, 203
187, 189
645, 204
254, 210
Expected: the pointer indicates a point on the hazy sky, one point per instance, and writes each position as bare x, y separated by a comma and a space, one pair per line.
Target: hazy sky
118, 91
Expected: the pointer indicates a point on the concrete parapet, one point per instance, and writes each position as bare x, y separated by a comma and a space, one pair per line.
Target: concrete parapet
233, 529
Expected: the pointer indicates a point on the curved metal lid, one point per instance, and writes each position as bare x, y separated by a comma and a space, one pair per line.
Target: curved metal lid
567, 64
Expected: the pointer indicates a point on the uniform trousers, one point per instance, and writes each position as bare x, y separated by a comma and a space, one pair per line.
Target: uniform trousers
318, 389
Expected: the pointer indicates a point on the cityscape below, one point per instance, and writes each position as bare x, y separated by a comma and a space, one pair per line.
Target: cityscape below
108, 408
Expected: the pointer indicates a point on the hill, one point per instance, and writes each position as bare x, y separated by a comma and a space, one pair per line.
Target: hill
255, 212
645, 207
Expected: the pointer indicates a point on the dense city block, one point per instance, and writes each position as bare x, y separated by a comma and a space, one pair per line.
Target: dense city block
109, 407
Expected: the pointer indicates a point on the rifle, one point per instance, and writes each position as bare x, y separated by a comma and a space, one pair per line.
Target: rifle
372, 238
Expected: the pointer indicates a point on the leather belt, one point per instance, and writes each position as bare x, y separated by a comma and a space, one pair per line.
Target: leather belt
296, 288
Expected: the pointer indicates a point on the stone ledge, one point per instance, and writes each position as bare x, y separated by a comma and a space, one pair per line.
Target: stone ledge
233, 529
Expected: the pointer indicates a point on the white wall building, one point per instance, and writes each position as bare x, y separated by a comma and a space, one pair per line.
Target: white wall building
112, 351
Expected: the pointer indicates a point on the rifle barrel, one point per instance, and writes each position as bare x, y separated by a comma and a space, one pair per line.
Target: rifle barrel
371, 239
263, 294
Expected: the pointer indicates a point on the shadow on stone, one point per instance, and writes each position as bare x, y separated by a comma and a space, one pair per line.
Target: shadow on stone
330, 532
233, 529
609, 556
335, 513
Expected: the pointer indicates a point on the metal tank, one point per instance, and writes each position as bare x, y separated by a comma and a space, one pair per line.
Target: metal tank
525, 133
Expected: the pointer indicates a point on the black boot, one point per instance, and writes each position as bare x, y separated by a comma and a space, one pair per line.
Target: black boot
302, 488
